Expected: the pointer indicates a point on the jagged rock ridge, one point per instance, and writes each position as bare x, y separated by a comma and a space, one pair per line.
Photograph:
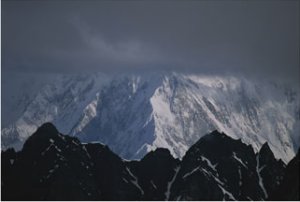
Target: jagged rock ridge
52, 166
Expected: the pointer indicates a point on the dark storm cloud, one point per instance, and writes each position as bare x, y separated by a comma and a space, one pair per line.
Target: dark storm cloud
260, 37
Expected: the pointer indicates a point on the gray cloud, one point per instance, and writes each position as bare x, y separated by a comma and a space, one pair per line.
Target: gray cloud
257, 37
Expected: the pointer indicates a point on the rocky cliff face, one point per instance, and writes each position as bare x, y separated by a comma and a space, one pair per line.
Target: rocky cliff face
52, 166
288, 190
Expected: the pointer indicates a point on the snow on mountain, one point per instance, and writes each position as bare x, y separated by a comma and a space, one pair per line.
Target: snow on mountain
61, 102
18, 90
134, 114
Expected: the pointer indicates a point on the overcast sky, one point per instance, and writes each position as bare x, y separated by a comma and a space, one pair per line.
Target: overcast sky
257, 37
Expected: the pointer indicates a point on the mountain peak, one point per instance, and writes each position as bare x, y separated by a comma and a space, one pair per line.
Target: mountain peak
265, 147
215, 135
213, 169
159, 152
136, 113
266, 150
44, 134
47, 128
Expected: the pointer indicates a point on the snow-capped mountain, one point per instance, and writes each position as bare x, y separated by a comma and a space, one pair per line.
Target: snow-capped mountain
134, 114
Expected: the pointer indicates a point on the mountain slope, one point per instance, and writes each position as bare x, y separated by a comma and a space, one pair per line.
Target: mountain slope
52, 166
289, 188
224, 168
135, 114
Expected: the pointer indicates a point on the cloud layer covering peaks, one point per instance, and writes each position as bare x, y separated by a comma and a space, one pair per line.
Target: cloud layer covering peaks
257, 37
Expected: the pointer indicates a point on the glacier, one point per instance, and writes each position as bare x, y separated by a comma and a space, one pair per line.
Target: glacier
136, 113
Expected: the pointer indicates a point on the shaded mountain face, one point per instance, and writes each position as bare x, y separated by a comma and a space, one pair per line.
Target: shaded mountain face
52, 166
220, 168
134, 114
289, 188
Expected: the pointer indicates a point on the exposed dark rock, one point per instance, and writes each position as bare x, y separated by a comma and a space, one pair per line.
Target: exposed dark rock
52, 166
218, 167
271, 169
289, 188
154, 172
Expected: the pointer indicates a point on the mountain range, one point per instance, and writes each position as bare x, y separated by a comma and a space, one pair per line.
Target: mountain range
53, 166
136, 113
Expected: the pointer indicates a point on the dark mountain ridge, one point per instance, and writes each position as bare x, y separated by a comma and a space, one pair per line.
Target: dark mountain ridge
52, 166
